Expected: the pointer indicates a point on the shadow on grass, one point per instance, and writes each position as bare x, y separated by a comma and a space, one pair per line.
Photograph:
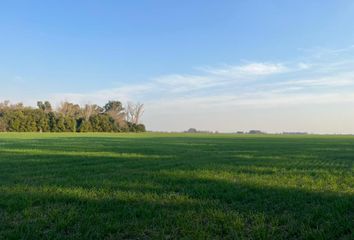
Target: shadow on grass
175, 208
155, 191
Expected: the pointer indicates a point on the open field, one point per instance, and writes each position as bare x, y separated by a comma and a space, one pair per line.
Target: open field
173, 186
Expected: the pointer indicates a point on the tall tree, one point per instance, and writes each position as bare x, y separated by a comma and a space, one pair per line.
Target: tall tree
48, 107
68, 109
90, 110
116, 111
134, 112
41, 105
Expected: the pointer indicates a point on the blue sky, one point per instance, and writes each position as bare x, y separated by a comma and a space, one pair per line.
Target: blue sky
216, 65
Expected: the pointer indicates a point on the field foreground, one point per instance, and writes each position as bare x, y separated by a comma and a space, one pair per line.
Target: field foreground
173, 186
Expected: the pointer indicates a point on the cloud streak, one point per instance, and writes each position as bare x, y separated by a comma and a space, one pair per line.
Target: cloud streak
252, 81
248, 70
231, 88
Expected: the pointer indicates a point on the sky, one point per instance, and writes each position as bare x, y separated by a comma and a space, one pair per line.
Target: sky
213, 65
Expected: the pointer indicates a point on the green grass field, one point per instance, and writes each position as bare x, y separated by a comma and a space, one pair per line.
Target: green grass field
176, 186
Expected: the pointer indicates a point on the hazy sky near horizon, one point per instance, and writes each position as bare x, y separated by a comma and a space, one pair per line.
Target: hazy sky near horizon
213, 65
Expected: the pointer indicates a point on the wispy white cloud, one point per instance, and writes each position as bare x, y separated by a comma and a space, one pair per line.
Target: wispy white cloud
177, 85
247, 70
310, 81
338, 80
303, 66
184, 83
217, 83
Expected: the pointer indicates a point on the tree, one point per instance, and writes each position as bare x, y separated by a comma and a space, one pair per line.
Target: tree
255, 132
136, 127
41, 105
60, 123
69, 110
84, 126
52, 120
115, 106
42, 121
70, 124
29, 123
48, 107
3, 125
90, 110
116, 111
192, 130
15, 119
134, 112
140, 128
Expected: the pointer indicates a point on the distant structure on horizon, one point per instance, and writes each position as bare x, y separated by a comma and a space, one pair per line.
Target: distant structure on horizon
295, 133
256, 132
194, 130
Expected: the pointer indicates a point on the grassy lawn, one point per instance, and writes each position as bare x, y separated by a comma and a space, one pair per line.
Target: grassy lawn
176, 186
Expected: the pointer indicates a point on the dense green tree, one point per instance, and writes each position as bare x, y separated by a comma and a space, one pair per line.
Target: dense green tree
3, 125
102, 123
42, 121
52, 121
60, 123
84, 126
140, 128
115, 106
70, 124
136, 127
15, 119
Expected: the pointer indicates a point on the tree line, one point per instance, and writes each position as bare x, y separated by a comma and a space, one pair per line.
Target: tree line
70, 117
